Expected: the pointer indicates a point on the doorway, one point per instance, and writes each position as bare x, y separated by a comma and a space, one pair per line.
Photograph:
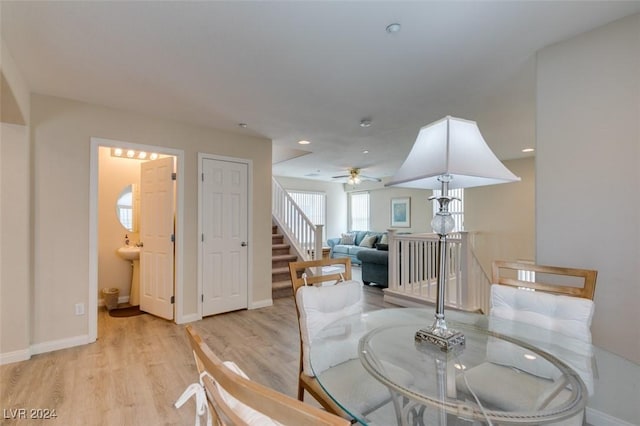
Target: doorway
176, 218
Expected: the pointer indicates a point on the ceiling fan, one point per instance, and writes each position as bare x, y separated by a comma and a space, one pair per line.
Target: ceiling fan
354, 177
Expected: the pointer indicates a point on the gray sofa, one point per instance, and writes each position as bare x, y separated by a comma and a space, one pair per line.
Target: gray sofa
352, 250
375, 266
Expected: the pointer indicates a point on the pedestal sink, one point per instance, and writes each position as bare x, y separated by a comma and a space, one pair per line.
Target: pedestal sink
132, 253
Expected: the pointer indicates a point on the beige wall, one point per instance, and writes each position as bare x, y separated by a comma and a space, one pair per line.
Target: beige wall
588, 171
62, 131
15, 254
421, 209
502, 217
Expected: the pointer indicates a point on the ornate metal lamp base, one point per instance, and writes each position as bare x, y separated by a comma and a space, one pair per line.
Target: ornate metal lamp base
445, 339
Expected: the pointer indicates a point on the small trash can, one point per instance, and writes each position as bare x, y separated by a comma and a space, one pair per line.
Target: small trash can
110, 296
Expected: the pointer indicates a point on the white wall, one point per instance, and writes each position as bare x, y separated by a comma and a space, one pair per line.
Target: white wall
588, 171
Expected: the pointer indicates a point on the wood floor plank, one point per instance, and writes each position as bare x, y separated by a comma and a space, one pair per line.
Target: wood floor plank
139, 366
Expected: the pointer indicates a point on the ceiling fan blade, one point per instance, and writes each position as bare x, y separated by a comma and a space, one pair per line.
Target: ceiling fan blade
340, 177
372, 179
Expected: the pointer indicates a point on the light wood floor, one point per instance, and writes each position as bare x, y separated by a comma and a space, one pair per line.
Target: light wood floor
140, 365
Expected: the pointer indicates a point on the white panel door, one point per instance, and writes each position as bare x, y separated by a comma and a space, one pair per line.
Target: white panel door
156, 231
224, 236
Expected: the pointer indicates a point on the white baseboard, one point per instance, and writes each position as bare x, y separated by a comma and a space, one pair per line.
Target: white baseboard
598, 418
189, 318
55, 345
121, 299
15, 356
261, 304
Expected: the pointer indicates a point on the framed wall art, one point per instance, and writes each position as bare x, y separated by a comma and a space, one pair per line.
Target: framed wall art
401, 212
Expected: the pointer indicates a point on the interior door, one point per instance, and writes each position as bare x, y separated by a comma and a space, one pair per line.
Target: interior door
156, 234
224, 237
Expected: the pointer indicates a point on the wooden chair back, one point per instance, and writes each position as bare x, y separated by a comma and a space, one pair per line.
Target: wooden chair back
296, 269
269, 402
587, 276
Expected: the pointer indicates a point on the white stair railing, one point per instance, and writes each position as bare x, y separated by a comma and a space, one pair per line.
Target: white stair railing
304, 237
413, 263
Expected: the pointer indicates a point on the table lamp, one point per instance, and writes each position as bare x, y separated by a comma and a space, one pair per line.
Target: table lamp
448, 153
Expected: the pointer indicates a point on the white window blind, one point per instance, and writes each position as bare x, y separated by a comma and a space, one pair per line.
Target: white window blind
456, 208
313, 204
359, 208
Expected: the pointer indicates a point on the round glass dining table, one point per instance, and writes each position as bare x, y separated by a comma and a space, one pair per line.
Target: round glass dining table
505, 373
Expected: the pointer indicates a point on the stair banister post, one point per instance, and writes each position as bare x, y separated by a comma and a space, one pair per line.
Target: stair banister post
317, 249
467, 297
392, 268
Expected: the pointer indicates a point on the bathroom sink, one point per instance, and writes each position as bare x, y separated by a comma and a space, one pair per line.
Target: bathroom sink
129, 252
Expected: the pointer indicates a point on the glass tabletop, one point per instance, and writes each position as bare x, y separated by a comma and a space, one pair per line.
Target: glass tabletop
508, 372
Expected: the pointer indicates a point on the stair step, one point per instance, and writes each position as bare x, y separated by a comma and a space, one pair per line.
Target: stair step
281, 246
287, 257
281, 289
280, 270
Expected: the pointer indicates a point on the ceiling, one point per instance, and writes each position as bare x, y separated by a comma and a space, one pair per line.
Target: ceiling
307, 70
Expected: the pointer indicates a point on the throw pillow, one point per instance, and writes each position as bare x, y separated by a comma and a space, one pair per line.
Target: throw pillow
347, 239
368, 241
384, 247
384, 239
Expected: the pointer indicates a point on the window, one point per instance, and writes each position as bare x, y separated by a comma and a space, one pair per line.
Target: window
456, 208
359, 209
313, 204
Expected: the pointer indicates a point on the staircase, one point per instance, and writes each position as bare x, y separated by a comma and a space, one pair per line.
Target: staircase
280, 258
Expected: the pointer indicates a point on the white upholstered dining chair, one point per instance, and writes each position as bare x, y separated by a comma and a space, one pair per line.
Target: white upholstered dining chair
565, 308
321, 299
226, 396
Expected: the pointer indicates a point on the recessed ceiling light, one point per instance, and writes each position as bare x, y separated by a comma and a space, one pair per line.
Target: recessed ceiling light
304, 142
365, 122
528, 150
243, 125
365, 151
393, 28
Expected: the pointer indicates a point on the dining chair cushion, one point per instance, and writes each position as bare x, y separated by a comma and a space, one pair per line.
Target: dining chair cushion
320, 306
566, 315
570, 316
357, 389
515, 391
246, 413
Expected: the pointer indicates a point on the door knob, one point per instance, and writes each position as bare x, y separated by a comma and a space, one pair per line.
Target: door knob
243, 244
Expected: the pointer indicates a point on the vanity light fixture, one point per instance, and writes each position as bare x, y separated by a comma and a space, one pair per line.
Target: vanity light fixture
133, 154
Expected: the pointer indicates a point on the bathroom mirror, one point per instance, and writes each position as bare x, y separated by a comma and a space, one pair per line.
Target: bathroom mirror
126, 210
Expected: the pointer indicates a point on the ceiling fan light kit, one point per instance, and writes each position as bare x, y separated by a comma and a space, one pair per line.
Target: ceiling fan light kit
354, 177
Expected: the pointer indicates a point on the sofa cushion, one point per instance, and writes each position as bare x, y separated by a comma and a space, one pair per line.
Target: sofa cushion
348, 239
368, 241
384, 239
383, 247
341, 248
